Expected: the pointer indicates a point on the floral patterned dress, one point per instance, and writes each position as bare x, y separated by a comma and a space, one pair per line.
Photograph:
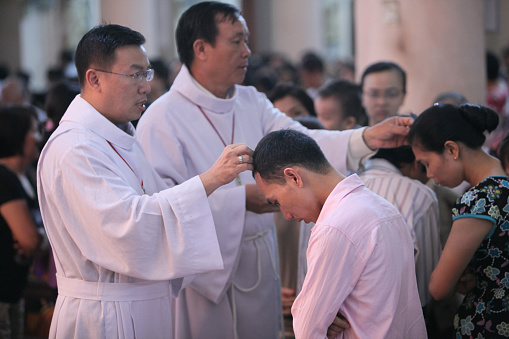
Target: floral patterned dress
484, 312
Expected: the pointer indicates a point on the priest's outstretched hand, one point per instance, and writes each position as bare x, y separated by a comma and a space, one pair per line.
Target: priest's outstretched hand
389, 133
236, 158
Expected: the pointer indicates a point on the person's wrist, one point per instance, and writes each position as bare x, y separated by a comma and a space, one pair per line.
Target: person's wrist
365, 139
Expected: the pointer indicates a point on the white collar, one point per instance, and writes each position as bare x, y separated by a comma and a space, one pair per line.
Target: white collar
228, 95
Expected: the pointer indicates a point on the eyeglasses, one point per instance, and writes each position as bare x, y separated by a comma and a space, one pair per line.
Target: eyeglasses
38, 131
391, 93
148, 74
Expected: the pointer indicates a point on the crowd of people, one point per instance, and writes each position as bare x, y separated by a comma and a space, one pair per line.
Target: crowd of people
130, 188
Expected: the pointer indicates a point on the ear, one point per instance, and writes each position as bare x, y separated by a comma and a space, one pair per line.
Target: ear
293, 177
92, 79
199, 49
349, 122
452, 149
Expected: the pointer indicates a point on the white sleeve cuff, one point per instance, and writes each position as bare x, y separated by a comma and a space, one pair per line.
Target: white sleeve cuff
357, 150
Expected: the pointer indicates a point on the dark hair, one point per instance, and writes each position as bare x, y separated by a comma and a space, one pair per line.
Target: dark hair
4, 71
59, 97
311, 62
162, 70
382, 67
348, 95
200, 22
442, 122
503, 151
15, 123
280, 149
97, 47
452, 95
287, 89
492, 66
397, 156
309, 121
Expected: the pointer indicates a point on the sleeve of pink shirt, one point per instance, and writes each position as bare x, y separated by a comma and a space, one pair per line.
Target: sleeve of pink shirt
334, 266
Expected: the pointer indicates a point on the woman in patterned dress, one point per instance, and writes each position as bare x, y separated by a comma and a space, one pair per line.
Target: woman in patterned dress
448, 140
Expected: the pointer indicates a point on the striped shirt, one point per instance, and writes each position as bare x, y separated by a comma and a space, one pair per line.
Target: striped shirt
419, 206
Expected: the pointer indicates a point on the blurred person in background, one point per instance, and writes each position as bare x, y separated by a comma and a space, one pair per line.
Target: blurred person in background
292, 100
19, 213
15, 91
312, 73
161, 82
59, 97
497, 98
383, 86
338, 106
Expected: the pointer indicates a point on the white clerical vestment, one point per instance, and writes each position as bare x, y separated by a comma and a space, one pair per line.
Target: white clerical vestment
183, 133
115, 248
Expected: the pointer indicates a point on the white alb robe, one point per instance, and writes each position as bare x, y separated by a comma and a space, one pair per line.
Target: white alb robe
115, 248
243, 300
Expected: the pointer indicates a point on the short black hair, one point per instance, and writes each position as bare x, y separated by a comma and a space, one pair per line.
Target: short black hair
383, 66
397, 156
59, 97
492, 66
282, 90
309, 121
15, 123
97, 47
280, 149
503, 152
162, 70
348, 95
312, 62
200, 22
442, 122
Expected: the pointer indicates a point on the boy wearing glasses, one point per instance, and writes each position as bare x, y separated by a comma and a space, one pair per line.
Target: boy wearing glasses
383, 86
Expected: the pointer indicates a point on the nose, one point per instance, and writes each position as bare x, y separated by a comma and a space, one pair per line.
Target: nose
381, 99
429, 174
247, 51
145, 86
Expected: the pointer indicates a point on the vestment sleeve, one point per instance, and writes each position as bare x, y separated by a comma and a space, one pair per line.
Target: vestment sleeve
163, 236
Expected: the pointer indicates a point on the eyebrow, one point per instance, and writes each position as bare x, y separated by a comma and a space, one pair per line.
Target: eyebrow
140, 67
240, 34
385, 89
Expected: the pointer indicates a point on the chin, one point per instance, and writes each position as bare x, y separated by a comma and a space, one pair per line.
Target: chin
241, 78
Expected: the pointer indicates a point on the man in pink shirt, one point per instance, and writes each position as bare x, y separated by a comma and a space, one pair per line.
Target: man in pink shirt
360, 255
